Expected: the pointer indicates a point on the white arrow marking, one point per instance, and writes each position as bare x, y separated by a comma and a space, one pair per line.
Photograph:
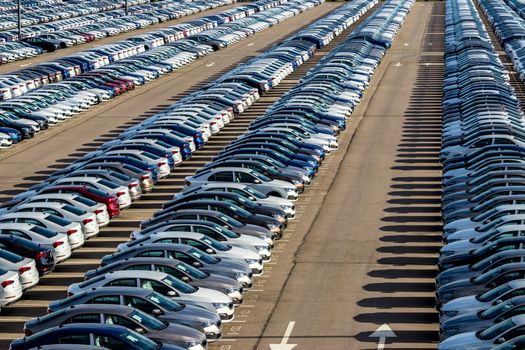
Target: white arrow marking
250, 44
284, 342
383, 332
210, 64
25, 65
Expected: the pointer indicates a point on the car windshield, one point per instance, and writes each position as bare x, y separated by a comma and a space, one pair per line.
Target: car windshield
494, 293
247, 202
120, 176
240, 211
226, 232
215, 244
74, 210
57, 220
85, 201
43, 231
255, 193
97, 192
146, 320
497, 330
230, 221
140, 341
260, 176
180, 286
482, 264
497, 310
163, 302
108, 184
190, 270
208, 259
6, 255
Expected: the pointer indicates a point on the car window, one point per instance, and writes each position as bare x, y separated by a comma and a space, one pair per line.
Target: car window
169, 270
194, 243
107, 299
153, 253
168, 240
110, 342
31, 221
208, 232
244, 177
139, 267
74, 339
222, 176
7, 221
119, 320
155, 285
87, 318
15, 233
123, 282
139, 303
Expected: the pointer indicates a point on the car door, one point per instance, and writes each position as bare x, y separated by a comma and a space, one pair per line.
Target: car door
221, 176
85, 318
109, 342
156, 286
80, 339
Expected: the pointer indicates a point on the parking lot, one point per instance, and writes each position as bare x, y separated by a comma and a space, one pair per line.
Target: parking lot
383, 139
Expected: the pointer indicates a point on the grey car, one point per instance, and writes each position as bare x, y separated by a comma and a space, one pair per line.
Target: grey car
177, 269
122, 315
190, 255
150, 302
476, 320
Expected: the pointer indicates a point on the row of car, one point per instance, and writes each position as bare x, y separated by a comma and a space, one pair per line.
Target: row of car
184, 271
59, 35
481, 279
121, 67
36, 12
509, 28
95, 27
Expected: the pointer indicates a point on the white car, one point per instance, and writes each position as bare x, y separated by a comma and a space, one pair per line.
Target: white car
164, 284
87, 220
99, 209
25, 267
244, 176
52, 222
39, 234
10, 287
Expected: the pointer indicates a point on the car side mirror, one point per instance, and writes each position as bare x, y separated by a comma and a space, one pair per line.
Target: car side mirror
252, 198
139, 330
209, 251
257, 181
197, 264
172, 293
500, 340
185, 279
499, 301
156, 312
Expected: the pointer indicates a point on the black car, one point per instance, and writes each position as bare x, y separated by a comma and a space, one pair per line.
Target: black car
43, 254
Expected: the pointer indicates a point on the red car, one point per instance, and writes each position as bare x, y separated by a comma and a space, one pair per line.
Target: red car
109, 200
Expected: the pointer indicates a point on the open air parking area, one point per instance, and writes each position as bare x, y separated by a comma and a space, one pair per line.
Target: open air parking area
262, 175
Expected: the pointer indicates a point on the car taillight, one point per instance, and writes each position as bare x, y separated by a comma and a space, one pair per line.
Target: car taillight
184, 146
23, 269
174, 151
57, 244
86, 221
187, 182
120, 193
98, 211
40, 255
196, 135
213, 123
69, 294
144, 177
49, 310
161, 163
70, 232
132, 185
7, 283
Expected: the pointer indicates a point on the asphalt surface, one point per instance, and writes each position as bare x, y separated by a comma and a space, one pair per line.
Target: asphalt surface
363, 247
363, 251
47, 56
103, 124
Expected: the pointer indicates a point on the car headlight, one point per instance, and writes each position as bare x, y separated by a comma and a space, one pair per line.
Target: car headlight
252, 261
231, 290
190, 344
219, 305
297, 182
260, 248
284, 207
240, 274
289, 189
205, 324
451, 313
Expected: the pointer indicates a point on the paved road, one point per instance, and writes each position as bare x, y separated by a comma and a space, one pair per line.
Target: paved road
364, 250
10, 67
29, 161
